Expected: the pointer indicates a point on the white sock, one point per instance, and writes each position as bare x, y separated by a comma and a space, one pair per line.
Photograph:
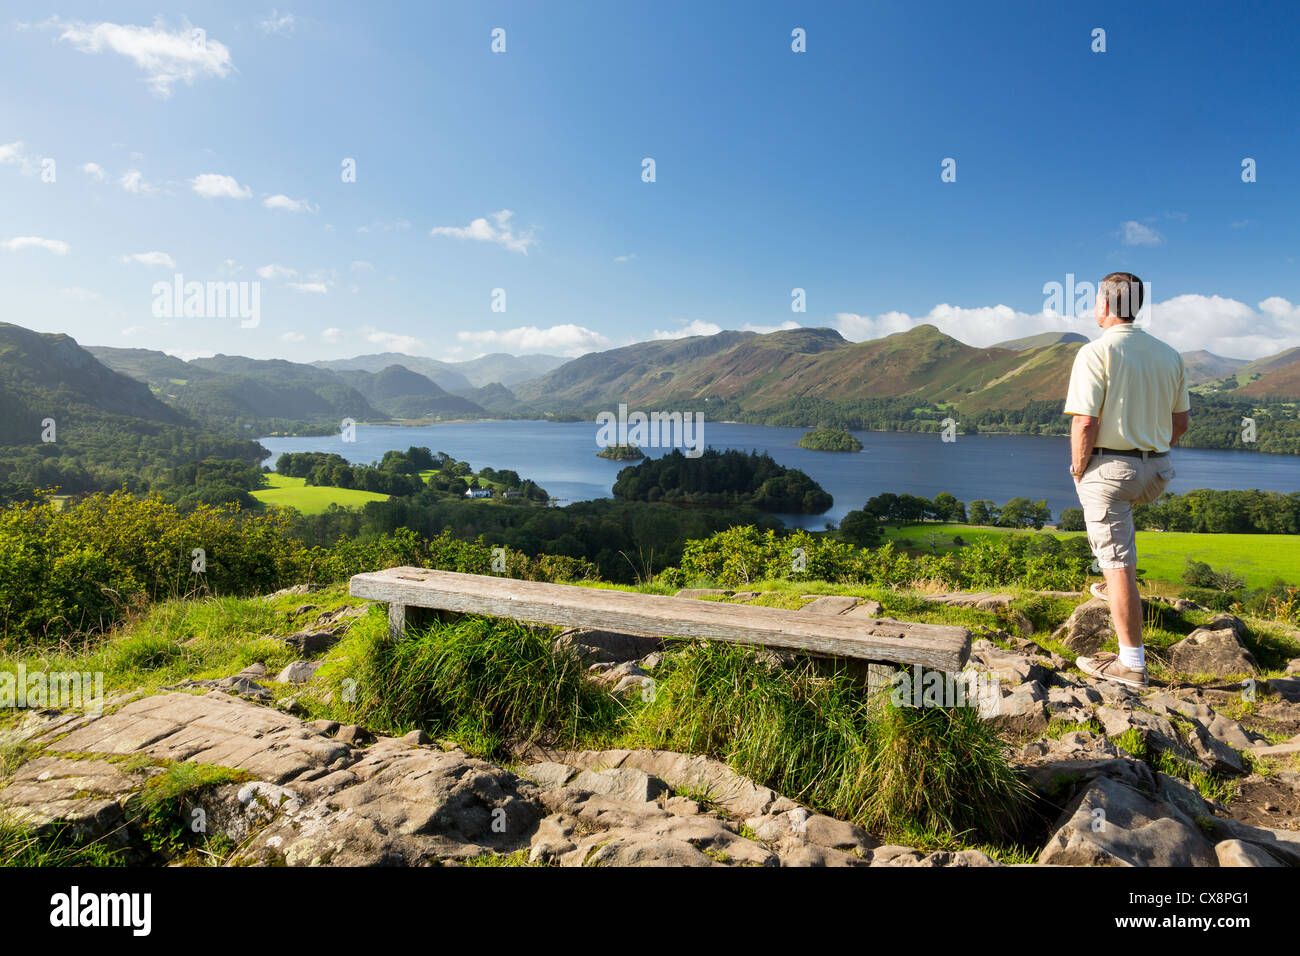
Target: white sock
1134, 658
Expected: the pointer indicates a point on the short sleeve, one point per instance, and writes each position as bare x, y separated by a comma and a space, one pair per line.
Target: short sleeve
1087, 389
1182, 400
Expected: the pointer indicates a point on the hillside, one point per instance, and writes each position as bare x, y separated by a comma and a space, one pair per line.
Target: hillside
227, 390
47, 375
1041, 339
401, 393
1274, 376
458, 378
1203, 366
761, 371
109, 429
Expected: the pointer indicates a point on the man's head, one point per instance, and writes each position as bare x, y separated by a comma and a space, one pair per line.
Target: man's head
1119, 297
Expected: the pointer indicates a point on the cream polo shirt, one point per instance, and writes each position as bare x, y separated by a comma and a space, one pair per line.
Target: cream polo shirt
1132, 383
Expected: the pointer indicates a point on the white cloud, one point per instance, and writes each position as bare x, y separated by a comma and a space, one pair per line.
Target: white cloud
393, 342
1226, 326
281, 23
151, 259
480, 230
318, 288
697, 327
217, 186
14, 154
133, 181
570, 340
292, 337
626, 258
77, 292
283, 203
359, 265
94, 171
56, 246
1187, 322
694, 327
981, 326
332, 335
1136, 234
166, 56
274, 271
186, 355
134, 330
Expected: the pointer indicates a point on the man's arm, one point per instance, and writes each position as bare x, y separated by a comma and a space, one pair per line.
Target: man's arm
1181, 420
1083, 436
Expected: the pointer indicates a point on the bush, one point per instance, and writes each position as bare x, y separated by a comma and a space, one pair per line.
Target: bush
1198, 574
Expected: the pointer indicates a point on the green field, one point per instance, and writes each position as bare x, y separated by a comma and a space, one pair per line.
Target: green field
1259, 558
286, 492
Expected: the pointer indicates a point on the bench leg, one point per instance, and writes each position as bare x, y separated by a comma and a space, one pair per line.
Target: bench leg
880, 677
402, 616
396, 621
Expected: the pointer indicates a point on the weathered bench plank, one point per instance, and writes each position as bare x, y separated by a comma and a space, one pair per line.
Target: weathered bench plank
933, 646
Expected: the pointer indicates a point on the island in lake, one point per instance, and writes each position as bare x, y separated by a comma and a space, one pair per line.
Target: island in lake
829, 439
621, 453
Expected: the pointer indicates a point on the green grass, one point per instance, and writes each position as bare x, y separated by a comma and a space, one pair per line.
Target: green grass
820, 739
478, 681
1259, 558
286, 492
172, 641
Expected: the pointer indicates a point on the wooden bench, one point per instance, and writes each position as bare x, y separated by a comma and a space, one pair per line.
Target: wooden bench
932, 646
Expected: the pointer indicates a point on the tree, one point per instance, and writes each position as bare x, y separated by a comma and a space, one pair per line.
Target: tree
948, 508
861, 528
1072, 520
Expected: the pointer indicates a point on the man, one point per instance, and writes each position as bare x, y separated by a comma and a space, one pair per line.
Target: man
1128, 396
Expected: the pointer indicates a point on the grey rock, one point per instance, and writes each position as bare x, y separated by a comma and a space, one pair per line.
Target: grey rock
1281, 844
1287, 687
804, 854
352, 734
621, 783
829, 604
1088, 628
1112, 824
607, 647
980, 600
548, 774
1240, 853
299, 672
312, 641
1218, 652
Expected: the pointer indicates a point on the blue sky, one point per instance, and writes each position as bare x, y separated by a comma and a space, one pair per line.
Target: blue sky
522, 170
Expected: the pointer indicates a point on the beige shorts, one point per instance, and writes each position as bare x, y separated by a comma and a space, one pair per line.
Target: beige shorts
1108, 490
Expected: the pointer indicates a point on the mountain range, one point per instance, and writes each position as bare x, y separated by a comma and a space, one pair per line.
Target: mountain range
749, 371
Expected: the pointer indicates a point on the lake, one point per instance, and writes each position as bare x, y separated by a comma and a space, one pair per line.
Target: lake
561, 457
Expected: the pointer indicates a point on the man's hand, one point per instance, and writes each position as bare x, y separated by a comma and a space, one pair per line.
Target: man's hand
1180, 422
1083, 436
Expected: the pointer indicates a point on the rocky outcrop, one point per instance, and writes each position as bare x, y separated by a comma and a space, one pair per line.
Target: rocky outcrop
325, 793
1215, 650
